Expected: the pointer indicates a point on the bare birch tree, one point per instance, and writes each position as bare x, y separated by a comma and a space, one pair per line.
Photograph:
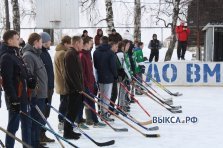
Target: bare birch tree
137, 20
16, 15
109, 15
7, 22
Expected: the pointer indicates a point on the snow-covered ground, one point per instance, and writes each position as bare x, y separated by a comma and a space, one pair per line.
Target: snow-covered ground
205, 103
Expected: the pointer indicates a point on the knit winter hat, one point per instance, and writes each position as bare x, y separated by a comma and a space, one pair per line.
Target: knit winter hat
45, 37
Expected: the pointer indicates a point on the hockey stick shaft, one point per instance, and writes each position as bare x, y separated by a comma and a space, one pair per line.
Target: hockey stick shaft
14, 137
122, 85
86, 95
43, 117
75, 126
44, 127
94, 111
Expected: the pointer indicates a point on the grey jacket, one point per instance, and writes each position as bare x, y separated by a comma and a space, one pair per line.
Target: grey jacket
35, 64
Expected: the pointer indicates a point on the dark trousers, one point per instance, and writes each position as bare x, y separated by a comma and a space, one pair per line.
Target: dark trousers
63, 107
154, 54
35, 136
74, 105
47, 108
114, 95
181, 49
13, 125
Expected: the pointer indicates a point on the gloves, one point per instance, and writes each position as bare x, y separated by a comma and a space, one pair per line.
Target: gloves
14, 106
145, 59
142, 67
31, 81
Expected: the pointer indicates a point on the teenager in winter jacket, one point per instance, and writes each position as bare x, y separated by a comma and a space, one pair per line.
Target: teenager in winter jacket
105, 65
31, 56
139, 63
89, 82
73, 84
46, 58
14, 76
98, 37
182, 35
155, 45
59, 72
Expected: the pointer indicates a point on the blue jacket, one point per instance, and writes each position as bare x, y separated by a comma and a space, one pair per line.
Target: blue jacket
45, 56
105, 64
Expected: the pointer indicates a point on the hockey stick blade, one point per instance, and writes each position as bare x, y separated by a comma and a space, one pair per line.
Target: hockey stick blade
120, 129
105, 143
155, 128
175, 111
177, 94
168, 102
152, 135
175, 107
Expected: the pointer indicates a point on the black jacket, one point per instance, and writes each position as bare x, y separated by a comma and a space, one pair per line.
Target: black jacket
45, 56
73, 72
105, 64
14, 75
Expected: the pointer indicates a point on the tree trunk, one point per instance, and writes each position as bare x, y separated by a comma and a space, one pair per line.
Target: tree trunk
7, 22
109, 15
16, 15
137, 20
176, 10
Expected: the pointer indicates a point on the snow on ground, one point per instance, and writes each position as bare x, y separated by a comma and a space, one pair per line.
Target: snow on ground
205, 103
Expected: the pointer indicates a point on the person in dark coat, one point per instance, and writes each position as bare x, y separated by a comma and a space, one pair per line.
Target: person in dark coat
14, 75
98, 37
155, 45
45, 56
115, 36
73, 84
105, 65
85, 34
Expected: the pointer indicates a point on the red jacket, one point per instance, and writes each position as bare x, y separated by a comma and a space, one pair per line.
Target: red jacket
87, 67
182, 35
98, 37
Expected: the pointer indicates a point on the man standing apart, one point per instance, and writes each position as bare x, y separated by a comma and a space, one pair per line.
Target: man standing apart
182, 35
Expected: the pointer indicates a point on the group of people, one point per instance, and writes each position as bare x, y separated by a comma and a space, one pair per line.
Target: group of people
28, 76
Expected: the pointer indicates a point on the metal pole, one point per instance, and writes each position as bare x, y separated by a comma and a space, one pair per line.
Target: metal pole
198, 31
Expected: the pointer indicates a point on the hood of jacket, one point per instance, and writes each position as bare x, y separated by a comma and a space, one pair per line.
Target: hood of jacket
99, 31
104, 47
60, 47
30, 48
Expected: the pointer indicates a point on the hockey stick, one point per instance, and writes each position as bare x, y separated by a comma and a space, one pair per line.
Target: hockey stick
169, 100
43, 117
44, 127
124, 115
1, 143
163, 102
115, 129
14, 137
82, 132
122, 85
172, 110
163, 87
127, 115
146, 135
